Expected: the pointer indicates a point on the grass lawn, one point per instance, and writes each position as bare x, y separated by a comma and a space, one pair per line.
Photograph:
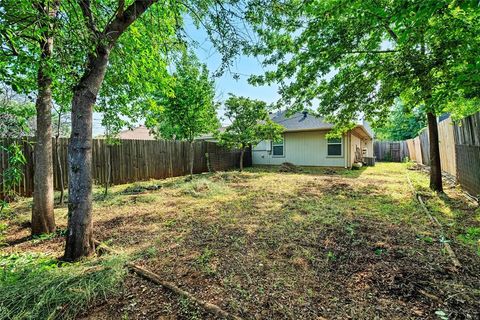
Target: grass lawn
320, 244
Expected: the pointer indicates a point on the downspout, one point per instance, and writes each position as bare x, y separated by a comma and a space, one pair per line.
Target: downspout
347, 149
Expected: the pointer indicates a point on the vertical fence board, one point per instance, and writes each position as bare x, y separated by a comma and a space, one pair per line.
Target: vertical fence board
459, 145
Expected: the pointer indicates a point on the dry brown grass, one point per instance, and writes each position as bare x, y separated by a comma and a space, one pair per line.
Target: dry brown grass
263, 244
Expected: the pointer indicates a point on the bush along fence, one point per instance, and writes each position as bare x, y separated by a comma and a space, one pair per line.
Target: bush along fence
459, 144
130, 161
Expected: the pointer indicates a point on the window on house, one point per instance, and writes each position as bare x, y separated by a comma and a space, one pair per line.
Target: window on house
334, 146
278, 147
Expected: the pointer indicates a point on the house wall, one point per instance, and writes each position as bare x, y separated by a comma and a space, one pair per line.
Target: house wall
307, 148
354, 143
361, 143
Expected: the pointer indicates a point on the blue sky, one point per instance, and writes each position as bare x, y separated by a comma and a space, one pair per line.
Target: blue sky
225, 84
242, 65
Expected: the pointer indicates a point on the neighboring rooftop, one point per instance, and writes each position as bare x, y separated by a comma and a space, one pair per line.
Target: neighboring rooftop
138, 133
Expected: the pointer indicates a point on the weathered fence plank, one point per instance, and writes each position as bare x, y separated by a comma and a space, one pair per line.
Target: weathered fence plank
459, 145
467, 153
447, 146
395, 151
131, 160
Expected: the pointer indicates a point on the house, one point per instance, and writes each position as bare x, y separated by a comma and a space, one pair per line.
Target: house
138, 133
304, 143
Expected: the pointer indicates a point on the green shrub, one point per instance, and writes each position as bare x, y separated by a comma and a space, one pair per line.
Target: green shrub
37, 286
204, 187
3, 229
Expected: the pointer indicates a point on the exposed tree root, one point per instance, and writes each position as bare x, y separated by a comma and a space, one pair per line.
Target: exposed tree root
153, 277
448, 248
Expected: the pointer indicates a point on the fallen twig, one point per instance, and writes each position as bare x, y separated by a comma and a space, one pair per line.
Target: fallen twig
430, 296
447, 246
210, 307
153, 277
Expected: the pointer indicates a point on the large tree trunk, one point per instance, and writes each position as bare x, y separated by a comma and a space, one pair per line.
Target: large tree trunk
43, 219
435, 165
242, 153
79, 233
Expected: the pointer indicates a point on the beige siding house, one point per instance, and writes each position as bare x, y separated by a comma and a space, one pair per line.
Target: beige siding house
305, 143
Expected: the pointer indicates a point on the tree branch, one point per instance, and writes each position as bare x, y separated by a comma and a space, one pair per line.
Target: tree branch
122, 21
87, 14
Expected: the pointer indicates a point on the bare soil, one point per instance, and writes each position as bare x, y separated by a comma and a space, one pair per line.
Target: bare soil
318, 244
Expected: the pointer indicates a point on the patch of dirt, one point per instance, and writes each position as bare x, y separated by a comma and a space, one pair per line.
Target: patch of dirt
140, 299
289, 167
378, 261
281, 248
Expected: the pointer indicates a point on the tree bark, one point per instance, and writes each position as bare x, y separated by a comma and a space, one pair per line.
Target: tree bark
241, 159
59, 161
435, 165
192, 157
43, 219
79, 234
60, 171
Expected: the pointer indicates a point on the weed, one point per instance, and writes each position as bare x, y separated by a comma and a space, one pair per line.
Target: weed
189, 309
170, 223
471, 237
204, 188
426, 239
204, 261
3, 231
148, 253
36, 286
331, 256
48, 236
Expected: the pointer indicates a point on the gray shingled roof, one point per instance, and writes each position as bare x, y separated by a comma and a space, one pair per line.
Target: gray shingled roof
300, 121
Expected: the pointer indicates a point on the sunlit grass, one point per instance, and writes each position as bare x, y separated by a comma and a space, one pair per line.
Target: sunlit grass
37, 286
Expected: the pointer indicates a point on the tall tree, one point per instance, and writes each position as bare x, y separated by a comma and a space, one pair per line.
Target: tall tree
104, 24
102, 40
402, 123
250, 124
43, 219
356, 57
27, 35
189, 110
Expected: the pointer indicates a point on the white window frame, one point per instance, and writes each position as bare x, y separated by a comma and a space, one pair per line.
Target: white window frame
274, 144
335, 143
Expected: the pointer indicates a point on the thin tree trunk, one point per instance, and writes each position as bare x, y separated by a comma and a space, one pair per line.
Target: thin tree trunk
43, 219
192, 157
59, 161
60, 171
80, 233
435, 165
241, 159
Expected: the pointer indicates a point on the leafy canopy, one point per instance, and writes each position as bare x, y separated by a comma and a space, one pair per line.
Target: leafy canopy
189, 110
354, 58
250, 123
401, 124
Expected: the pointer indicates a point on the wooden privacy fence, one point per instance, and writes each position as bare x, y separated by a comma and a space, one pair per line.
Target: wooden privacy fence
390, 150
132, 160
459, 145
467, 151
